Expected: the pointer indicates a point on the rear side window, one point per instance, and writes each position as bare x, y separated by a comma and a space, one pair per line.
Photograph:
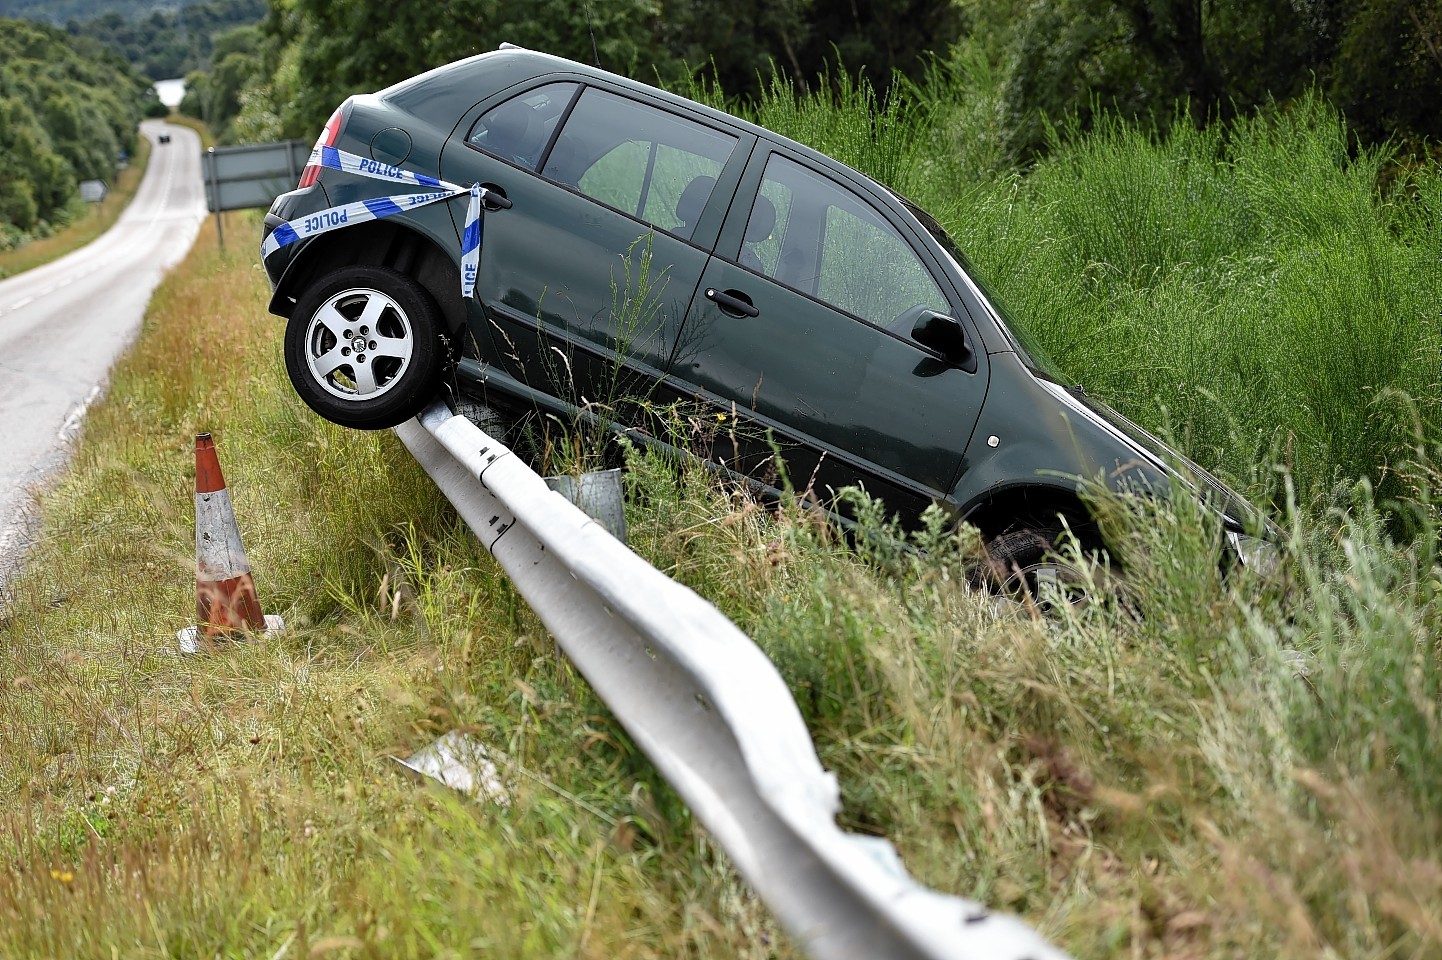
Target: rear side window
643, 161
519, 129
816, 236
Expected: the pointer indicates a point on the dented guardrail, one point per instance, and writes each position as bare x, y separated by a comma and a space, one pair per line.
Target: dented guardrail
710, 711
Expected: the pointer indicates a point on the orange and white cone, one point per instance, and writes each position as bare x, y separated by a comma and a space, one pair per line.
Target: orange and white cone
226, 604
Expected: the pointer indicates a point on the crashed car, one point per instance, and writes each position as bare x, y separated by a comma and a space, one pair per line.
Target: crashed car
635, 244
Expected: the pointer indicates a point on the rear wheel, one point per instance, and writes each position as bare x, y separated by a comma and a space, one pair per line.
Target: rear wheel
363, 347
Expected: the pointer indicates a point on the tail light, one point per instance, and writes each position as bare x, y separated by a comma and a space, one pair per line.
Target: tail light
326, 139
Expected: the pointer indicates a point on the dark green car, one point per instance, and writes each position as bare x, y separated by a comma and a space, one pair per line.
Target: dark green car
641, 250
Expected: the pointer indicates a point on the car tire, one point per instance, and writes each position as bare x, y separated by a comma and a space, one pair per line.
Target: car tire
1024, 565
363, 347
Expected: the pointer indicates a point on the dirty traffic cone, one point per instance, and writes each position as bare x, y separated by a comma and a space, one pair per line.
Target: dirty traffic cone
225, 600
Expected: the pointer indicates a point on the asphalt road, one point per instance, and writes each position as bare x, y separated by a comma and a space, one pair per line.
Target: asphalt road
63, 325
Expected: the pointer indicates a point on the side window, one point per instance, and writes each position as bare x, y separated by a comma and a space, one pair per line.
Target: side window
519, 129
643, 161
819, 237
770, 214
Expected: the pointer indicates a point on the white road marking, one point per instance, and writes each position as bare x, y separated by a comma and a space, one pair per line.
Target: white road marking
72, 422
19, 304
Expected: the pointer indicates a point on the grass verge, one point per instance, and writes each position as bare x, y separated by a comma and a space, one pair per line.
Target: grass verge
243, 804
90, 221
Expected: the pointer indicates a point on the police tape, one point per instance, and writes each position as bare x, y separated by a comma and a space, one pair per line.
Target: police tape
377, 208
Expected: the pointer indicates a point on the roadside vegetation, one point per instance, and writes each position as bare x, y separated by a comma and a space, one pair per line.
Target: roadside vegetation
1220, 767
68, 112
1164, 61
243, 803
1264, 292
89, 223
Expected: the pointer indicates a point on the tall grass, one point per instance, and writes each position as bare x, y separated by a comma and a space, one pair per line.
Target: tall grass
1263, 291
1250, 287
1222, 768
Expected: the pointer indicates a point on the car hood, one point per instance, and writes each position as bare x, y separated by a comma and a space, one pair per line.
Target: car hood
1234, 508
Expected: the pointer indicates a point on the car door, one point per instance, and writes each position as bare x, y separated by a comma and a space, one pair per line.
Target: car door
805, 328
585, 278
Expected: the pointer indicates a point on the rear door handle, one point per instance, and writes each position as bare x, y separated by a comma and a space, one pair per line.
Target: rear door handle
732, 302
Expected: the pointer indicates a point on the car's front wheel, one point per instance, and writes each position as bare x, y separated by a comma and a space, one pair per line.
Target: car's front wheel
363, 347
1027, 564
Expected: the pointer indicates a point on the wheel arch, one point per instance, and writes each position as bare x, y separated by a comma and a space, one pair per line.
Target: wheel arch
378, 243
1006, 508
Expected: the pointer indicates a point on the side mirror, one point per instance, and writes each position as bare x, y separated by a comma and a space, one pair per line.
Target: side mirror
945, 335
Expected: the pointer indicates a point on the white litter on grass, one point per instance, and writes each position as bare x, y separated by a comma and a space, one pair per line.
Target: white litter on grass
190, 640
462, 764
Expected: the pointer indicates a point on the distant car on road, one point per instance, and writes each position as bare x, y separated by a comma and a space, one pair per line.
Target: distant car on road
164, 138
792, 298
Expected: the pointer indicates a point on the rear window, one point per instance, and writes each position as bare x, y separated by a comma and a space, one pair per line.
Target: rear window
645, 162
519, 129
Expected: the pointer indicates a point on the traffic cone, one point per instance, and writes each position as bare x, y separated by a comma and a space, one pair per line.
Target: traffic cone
226, 604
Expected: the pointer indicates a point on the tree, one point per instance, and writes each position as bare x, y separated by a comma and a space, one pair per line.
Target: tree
880, 37
67, 107
1210, 59
1388, 72
737, 45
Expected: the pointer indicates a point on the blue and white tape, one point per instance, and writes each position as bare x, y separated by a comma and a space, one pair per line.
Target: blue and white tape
377, 208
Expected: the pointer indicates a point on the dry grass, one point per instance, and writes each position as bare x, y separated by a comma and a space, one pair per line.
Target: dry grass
156, 805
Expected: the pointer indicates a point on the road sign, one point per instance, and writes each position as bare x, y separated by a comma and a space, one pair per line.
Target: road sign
93, 191
237, 178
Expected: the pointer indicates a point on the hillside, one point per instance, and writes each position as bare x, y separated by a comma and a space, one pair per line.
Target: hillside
159, 39
61, 11
68, 111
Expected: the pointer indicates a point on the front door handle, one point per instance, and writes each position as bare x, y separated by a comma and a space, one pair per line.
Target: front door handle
732, 302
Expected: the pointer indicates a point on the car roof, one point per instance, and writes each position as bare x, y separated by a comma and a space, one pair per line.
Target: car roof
497, 70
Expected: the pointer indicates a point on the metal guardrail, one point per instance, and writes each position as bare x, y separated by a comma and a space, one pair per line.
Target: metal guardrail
710, 711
